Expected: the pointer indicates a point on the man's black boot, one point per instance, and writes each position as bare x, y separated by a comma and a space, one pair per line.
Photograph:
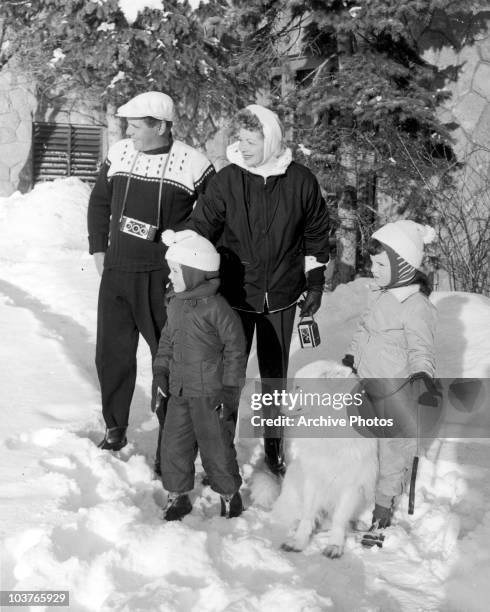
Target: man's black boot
114, 439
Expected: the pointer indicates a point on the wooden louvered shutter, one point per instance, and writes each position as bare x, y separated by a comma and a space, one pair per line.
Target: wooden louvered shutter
61, 150
85, 152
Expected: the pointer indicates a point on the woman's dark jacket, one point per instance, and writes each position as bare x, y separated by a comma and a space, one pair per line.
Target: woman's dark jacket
264, 229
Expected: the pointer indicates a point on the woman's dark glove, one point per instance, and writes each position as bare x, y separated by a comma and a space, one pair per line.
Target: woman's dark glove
159, 389
311, 303
315, 281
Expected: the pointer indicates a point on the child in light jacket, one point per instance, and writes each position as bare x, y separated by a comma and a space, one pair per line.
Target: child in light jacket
197, 373
393, 352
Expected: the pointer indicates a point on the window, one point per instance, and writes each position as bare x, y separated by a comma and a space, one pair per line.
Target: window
62, 149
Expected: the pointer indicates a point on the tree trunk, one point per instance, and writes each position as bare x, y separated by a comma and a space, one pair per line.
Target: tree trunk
347, 235
347, 206
347, 211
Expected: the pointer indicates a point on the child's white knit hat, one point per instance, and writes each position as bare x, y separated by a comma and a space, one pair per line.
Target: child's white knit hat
190, 249
407, 239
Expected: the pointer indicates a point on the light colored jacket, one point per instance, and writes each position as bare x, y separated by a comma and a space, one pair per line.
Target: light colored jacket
395, 337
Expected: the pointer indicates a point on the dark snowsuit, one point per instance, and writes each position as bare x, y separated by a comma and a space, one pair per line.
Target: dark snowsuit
202, 346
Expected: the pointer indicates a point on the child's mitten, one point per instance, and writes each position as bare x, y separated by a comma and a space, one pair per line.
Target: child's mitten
159, 389
348, 361
230, 398
426, 389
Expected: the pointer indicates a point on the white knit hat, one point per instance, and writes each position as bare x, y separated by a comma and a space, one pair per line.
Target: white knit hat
150, 104
190, 249
407, 239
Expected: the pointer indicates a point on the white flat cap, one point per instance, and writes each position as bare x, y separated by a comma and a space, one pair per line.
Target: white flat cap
150, 104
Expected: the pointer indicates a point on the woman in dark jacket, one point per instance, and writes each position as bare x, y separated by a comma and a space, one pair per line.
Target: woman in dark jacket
269, 218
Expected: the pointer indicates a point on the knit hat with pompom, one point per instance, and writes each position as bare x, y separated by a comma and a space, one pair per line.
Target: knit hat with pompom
407, 239
190, 249
404, 243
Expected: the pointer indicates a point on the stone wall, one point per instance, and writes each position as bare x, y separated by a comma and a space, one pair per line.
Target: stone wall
469, 104
464, 57
18, 106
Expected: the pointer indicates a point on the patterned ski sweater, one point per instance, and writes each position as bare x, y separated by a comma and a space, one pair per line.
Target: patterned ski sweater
140, 174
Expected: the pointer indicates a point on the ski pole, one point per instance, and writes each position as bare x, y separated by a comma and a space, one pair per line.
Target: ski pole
415, 465
411, 494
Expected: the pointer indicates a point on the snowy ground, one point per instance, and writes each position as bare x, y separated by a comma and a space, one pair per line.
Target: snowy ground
80, 519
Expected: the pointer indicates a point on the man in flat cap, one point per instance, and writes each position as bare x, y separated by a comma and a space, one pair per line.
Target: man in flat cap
148, 183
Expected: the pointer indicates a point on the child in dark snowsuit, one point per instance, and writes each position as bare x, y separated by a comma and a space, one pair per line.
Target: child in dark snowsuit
393, 352
198, 370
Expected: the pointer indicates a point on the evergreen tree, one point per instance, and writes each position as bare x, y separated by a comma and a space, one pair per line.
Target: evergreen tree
88, 48
367, 114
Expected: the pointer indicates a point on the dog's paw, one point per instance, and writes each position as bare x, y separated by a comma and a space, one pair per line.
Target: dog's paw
296, 542
333, 551
289, 547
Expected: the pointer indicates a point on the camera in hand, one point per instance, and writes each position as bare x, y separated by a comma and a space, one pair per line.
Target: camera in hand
139, 229
309, 334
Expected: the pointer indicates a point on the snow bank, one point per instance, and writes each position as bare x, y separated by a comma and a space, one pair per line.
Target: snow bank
46, 222
463, 334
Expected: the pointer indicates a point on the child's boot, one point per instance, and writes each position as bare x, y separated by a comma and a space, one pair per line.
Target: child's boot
114, 439
178, 505
231, 505
381, 520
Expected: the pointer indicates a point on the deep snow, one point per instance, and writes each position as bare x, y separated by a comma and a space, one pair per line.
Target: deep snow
88, 521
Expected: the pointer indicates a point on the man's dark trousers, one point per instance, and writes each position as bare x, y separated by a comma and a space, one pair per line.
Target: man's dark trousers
130, 303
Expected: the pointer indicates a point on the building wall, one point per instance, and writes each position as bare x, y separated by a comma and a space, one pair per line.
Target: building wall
469, 104
18, 106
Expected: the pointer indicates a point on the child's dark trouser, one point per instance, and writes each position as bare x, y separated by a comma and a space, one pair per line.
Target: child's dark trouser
197, 419
130, 303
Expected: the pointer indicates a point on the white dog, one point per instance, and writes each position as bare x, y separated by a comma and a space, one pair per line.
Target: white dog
335, 476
